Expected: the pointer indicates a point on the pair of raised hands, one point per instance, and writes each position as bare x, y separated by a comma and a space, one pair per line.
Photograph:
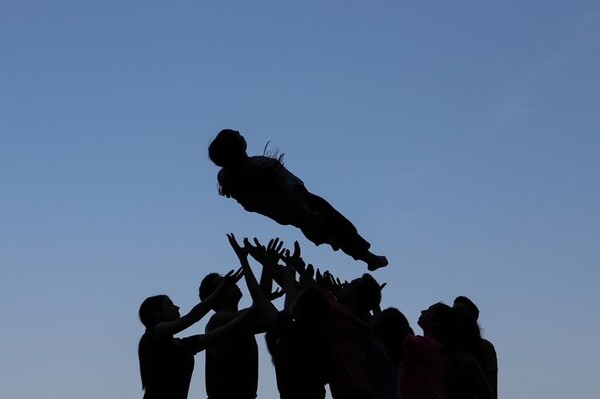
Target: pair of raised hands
270, 255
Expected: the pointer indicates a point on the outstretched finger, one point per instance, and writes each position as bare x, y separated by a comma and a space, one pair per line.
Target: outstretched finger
296, 253
257, 243
310, 269
228, 274
232, 241
237, 275
280, 248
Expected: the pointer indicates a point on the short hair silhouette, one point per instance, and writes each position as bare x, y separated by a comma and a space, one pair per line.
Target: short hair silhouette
208, 285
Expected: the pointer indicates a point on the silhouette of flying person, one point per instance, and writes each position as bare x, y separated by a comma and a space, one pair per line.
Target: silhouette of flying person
263, 185
167, 363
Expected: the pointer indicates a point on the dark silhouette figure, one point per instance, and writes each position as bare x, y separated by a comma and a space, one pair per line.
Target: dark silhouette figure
231, 369
262, 184
487, 359
464, 376
299, 348
296, 336
167, 363
422, 368
390, 327
350, 338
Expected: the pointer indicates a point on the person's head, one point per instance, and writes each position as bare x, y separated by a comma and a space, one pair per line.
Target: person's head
156, 309
228, 148
466, 335
310, 307
436, 321
390, 326
464, 304
228, 299
363, 294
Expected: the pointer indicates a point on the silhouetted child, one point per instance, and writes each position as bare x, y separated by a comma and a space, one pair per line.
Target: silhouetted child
262, 184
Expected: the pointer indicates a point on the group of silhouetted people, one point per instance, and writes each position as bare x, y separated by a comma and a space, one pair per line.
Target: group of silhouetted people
327, 333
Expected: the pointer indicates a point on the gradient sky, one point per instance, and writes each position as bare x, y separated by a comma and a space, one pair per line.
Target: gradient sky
461, 138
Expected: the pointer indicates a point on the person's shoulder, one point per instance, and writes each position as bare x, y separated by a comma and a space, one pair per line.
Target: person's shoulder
413, 340
487, 345
419, 341
221, 318
489, 357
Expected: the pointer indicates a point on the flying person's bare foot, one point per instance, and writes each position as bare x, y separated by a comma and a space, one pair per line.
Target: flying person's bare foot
374, 262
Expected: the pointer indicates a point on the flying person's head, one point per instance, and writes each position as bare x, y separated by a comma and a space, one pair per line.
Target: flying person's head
228, 148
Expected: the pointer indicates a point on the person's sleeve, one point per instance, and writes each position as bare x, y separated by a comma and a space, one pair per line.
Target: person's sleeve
192, 344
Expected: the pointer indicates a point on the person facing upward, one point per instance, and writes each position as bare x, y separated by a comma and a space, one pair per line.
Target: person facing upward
350, 338
422, 369
231, 368
263, 185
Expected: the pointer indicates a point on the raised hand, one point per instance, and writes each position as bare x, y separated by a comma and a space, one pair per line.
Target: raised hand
269, 255
278, 293
332, 283
294, 260
241, 252
230, 278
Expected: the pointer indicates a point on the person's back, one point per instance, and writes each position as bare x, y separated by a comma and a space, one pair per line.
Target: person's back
488, 358
421, 372
231, 369
383, 372
263, 185
390, 327
299, 353
172, 381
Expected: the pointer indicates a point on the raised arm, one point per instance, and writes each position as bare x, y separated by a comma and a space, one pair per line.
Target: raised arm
205, 340
293, 264
265, 306
268, 257
170, 328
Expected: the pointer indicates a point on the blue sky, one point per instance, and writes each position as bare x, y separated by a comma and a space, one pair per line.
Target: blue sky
461, 138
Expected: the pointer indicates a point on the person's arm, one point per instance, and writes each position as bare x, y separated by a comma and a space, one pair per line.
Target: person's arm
289, 276
268, 257
295, 262
170, 328
200, 342
265, 306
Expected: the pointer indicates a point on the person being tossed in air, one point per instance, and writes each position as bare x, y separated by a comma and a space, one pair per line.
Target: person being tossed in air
263, 185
